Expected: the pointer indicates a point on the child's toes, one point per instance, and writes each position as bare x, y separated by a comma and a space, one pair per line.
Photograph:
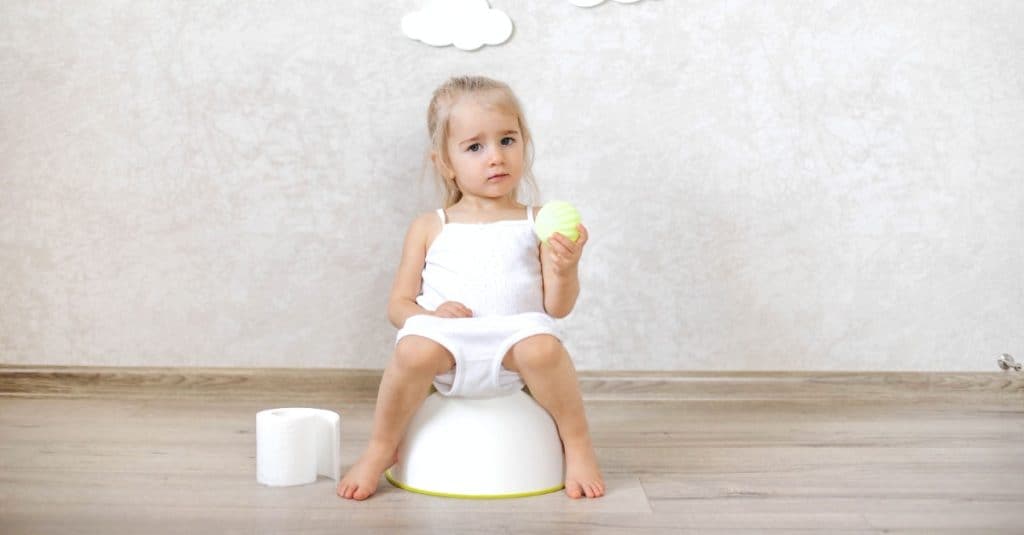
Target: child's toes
573, 489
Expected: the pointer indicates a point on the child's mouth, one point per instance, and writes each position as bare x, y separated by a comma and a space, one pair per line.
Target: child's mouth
497, 177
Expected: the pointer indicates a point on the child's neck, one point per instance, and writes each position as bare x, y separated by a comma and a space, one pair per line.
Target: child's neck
478, 205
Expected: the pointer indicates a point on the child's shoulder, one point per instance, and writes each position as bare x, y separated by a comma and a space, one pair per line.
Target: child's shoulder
426, 223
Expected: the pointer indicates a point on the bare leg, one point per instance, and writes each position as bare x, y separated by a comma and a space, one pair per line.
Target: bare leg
548, 371
404, 386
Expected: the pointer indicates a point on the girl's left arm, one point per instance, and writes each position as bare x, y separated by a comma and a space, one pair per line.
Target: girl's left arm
559, 261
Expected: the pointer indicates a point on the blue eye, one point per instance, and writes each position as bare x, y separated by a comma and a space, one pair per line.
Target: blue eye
510, 140
474, 147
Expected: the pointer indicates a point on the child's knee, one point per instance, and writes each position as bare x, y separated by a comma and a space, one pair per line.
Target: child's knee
537, 352
420, 354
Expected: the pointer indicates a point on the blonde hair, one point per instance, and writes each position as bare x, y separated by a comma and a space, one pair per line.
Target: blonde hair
498, 94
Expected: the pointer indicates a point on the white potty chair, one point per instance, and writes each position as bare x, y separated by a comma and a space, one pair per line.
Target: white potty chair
502, 447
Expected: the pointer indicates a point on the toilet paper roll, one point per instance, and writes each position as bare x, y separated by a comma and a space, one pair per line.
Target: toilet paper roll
294, 445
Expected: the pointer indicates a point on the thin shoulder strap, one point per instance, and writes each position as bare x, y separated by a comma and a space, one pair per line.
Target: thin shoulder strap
529, 213
441, 214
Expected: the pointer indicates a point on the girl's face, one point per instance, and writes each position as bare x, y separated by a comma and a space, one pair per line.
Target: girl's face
485, 148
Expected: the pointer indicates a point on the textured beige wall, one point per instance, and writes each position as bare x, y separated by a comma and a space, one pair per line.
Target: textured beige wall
769, 185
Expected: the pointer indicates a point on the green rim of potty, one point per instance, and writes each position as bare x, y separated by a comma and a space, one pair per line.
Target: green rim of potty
557, 216
403, 486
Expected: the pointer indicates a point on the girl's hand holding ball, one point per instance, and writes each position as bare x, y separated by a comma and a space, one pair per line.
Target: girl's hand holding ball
559, 229
565, 253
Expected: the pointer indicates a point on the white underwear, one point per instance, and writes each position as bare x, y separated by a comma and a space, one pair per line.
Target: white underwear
478, 346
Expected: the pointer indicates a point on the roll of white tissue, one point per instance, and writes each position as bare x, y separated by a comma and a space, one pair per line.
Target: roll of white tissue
295, 445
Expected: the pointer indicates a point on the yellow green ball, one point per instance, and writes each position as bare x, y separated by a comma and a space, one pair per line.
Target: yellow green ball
557, 216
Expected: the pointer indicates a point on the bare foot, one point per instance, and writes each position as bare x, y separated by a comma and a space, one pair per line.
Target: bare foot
582, 476
360, 482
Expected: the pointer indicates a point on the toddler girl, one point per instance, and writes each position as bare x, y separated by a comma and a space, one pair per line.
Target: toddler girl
476, 291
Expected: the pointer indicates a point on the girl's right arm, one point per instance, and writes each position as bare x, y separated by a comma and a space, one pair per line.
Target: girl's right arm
408, 280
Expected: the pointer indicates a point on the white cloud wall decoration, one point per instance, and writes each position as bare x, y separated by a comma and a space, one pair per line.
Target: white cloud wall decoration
467, 24
592, 3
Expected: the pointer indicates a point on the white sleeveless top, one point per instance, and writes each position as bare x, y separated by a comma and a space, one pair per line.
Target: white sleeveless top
492, 268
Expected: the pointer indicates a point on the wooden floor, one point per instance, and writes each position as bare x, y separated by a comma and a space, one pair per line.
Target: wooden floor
182, 460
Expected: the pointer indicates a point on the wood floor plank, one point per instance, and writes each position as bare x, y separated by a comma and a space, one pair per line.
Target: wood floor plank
106, 490
1001, 487
350, 520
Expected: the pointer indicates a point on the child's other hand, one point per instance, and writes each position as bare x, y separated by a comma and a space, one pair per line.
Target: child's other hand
452, 309
563, 253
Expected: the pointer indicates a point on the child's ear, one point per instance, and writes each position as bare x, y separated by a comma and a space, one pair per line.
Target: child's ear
442, 169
